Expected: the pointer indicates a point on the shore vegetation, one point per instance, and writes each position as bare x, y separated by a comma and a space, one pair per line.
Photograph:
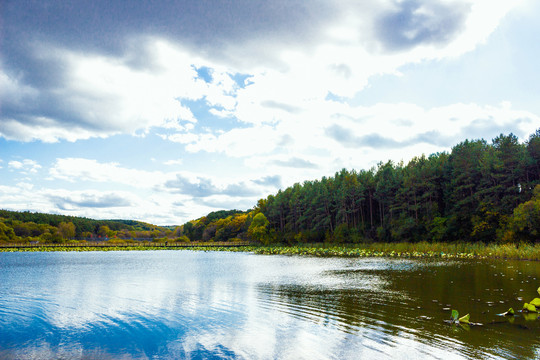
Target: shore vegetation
522, 251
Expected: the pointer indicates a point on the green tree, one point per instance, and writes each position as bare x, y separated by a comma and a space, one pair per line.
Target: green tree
524, 225
86, 235
464, 179
6, 232
532, 172
258, 230
66, 230
105, 231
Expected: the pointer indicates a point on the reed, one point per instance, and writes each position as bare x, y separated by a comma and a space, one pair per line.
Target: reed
458, 250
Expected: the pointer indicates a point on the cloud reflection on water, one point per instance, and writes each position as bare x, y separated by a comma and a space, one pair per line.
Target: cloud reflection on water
182, 304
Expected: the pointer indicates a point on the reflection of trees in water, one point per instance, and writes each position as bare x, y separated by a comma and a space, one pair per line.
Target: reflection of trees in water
345, 310
397, 311
483, 289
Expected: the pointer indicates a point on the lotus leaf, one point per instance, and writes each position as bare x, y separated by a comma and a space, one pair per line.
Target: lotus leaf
455, 315
535, 302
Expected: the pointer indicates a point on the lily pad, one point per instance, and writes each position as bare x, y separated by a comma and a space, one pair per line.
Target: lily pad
509, 312
535, 302
464, 319
529, 307
530, 316
538, 290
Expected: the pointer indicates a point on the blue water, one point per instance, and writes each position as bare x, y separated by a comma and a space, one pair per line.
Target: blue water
216, 305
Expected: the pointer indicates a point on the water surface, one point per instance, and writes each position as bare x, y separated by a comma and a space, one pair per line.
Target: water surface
205, 305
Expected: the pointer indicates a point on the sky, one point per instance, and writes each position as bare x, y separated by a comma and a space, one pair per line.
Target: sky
163, 111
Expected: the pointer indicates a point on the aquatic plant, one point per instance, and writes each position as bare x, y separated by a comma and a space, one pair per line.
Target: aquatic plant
459, 320
394, 250
533, 305
509, 312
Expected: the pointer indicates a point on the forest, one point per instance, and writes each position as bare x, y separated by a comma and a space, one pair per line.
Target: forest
478, 192
29, 226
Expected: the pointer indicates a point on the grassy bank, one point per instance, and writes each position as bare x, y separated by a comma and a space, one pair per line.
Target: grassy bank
403, 250
413, 250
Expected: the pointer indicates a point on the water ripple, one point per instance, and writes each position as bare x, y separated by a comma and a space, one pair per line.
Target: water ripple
170, 305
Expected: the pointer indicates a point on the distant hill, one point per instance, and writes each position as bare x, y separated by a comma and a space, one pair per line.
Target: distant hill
17, 225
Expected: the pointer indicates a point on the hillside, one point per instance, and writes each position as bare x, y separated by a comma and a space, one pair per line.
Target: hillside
20, 226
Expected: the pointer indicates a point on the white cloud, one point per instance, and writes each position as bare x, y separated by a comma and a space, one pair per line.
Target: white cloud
80, 169
162, 197
174, 162
45, 129
97, 204
15, 165
106, 95
343, 66
101, 95
332, 135
22, 197
12, 90
26, 166
236, 142
91, 199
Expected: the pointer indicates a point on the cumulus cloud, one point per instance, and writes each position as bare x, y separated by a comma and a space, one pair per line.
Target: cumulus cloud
173, 162
80, 169
25, 166
295, 163
90, 200
306, 146
101, 96
198, 188
344, 137
280, 106
236, 142
274, 181
201, 187
108, 69
414, 22
209, 194
179, 194
101, 204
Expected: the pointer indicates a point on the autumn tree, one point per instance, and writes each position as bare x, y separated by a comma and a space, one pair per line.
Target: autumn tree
66, 230
258, 230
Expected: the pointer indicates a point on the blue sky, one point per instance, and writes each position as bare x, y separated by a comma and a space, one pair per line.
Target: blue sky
165, 111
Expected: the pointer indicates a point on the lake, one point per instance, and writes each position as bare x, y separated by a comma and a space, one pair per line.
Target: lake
220, 305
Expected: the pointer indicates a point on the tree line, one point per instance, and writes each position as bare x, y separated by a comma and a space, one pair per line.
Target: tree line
478, 192
33, 226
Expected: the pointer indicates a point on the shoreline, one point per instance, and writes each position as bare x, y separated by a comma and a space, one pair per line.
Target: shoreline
392, 250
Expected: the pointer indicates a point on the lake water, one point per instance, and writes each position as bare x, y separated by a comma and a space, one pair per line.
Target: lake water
206, 305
